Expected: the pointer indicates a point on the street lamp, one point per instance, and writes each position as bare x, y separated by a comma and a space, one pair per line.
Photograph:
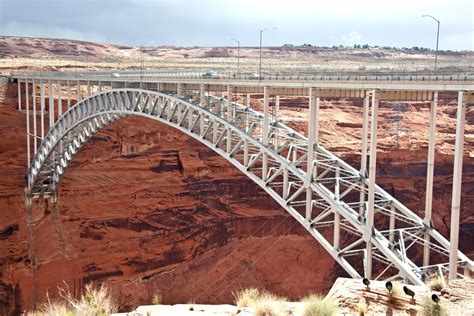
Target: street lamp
142, 48
260, 63
238, 53
437, 36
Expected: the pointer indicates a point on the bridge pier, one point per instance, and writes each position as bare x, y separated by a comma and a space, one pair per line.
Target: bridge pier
429, 179
312, 119
371, 197
27, 101
457, 181
363, 155
18, 83
266, 119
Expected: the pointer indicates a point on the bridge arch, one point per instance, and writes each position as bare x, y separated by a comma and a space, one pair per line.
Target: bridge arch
237, 133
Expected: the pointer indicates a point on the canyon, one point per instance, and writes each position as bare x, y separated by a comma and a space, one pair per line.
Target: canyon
150, 211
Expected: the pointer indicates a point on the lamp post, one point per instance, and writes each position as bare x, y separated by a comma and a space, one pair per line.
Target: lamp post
238, 53
437, 37
142, 61
260, 63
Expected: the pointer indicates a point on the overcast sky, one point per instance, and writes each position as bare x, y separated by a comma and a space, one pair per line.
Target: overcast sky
209, 22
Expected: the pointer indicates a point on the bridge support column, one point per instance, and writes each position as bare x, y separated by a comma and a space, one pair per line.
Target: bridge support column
310, 158
33, 93
371, 198
275, 121
19, 94
229, 118
179, 90
60, 99
68, 93
78, 91
456, 197
202, 96
43, 106
391, 225
363, 154
51, 103
89, 89
429, 178
266, 118
27, 104
337, 215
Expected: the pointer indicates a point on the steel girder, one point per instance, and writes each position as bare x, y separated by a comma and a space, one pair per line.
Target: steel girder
335, 212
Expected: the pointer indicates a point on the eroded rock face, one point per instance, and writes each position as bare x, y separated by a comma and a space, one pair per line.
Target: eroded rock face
151, 211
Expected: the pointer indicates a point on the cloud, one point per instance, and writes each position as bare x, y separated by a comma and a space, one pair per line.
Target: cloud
351, 38
43, 30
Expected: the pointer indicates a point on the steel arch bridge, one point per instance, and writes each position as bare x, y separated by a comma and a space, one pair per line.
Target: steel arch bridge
359, 224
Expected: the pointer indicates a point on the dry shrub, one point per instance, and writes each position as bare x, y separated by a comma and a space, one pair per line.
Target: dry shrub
265, 304
317, 305
95, 301
436, 283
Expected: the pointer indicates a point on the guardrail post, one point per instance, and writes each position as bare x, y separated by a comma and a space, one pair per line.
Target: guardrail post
456, 197
429, 178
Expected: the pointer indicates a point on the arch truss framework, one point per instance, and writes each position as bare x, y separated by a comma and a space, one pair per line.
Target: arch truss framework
367, 231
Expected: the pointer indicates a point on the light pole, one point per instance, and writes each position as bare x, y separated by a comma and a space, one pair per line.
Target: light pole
238, 53
437, 37
142, 62
260, 63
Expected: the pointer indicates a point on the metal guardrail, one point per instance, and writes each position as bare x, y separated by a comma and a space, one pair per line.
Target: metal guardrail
117, 76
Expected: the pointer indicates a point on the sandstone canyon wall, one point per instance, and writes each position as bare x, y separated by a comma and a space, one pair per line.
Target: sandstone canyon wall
150, 211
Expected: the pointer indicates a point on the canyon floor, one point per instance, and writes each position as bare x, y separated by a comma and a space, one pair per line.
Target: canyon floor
150, 211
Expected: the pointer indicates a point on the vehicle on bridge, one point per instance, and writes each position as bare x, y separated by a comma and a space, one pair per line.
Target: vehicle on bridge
210, 74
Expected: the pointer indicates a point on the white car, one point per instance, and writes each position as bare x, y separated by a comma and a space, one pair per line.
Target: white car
210, 74
115, 75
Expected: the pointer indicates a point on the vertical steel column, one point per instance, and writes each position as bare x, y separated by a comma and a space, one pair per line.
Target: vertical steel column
277, 111
68, 92
35, 141
100, 86
43, 106
179, 90
316, 129
310, 158
363, 153
391, 225
429, 178
266, 114
89, 90
337, 215
457, 181
285, 183
27, 104
19, 94
60, 99
51, 103
371, 198
79, 93
201, 104
229, 118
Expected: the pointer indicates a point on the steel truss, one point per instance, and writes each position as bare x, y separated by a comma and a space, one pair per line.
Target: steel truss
328, 197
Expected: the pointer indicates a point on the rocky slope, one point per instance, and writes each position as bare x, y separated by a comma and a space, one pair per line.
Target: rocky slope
150, 211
